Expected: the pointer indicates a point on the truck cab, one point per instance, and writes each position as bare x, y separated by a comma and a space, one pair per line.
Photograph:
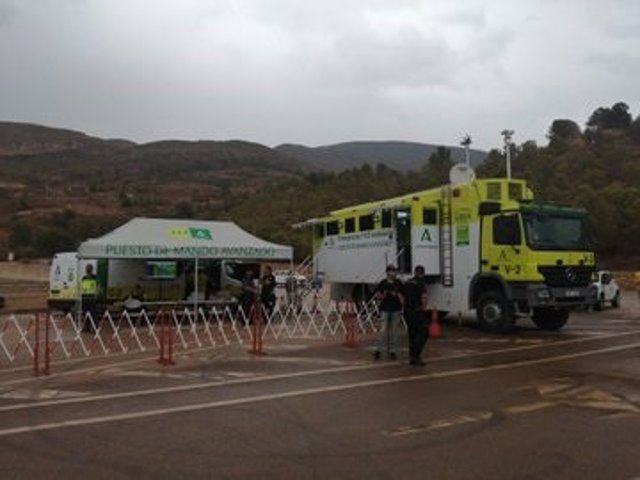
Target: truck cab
540, 257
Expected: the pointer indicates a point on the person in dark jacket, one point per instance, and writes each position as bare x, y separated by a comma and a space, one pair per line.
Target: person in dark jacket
420, 332
414, 289
248, 296
389, 292
268, 291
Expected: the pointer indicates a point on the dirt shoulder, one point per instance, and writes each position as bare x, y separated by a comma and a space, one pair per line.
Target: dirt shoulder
24, 285
36, 271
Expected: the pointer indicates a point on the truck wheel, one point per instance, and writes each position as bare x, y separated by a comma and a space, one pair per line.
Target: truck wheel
550, 319
494, 312
615, 303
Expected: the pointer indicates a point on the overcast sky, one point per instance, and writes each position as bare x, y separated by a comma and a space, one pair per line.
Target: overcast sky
316, 72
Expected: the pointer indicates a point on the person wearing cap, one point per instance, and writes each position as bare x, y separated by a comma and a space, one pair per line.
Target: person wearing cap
389, 292
415, 314
268, 291
248, 295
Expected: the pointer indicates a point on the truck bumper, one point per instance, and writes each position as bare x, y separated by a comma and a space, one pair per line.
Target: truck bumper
561, 297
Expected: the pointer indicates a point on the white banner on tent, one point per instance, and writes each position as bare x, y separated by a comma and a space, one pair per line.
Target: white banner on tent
184, 239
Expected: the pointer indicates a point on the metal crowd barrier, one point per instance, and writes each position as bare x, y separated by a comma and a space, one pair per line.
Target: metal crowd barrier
46, 338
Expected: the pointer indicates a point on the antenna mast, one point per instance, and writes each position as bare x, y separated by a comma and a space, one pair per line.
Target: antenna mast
466, 142
508, 134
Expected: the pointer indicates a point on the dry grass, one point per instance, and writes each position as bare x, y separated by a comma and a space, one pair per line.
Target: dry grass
628, 280
36, 271
24, 285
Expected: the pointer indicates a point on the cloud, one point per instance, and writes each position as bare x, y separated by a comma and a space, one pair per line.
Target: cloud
315, 72
7, 13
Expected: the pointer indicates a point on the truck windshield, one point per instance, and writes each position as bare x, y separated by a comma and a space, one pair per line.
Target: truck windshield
556, 232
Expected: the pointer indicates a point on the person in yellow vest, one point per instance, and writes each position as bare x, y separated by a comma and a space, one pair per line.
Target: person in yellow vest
89, 287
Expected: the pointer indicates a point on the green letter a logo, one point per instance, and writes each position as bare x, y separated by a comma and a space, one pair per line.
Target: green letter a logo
426, 236
200, 233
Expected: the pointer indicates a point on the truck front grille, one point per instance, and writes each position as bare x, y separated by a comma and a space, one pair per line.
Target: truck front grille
567, 276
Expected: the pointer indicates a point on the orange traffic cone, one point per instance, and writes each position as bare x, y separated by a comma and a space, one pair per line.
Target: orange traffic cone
434, 327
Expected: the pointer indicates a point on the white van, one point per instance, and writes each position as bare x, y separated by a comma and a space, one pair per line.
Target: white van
64, 286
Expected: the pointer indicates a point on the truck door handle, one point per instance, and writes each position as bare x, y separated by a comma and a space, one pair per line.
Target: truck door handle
495, 268
484, 262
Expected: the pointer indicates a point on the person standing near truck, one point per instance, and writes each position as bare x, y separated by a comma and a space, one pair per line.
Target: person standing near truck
389, 292
267, 292
415, 313
420, 325
291, 291
249, 295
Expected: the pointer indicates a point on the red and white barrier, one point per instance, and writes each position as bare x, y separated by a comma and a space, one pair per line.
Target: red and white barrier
434, 327
257, 328
350, 320
41, 345
170, 330
167, 338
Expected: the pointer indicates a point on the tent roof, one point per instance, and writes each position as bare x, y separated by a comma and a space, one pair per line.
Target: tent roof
163, 238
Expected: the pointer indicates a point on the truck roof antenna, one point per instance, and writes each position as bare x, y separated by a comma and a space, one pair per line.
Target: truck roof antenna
466, 142
508, 134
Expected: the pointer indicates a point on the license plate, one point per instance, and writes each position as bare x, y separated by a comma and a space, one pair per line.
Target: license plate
572, 293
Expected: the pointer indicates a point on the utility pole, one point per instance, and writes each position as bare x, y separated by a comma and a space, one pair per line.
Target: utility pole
508, 134
466, 142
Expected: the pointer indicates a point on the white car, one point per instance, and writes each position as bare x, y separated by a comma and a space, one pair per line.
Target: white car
282, 275
608, 290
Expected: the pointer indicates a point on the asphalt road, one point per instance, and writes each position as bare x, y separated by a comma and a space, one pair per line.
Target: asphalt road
528, 405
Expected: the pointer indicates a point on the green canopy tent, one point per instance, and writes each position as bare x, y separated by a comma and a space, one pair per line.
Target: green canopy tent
154, 239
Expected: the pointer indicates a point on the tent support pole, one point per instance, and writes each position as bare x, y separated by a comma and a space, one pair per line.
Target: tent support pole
195, 285
78, 290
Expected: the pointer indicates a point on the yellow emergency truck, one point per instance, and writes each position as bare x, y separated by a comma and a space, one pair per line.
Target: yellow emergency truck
486, 245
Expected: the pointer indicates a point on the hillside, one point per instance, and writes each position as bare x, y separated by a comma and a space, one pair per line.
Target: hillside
402, 156
60, 186
28, 139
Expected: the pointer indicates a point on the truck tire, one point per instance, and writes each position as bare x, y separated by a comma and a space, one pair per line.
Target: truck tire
494, 313
615, 302
550, 319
